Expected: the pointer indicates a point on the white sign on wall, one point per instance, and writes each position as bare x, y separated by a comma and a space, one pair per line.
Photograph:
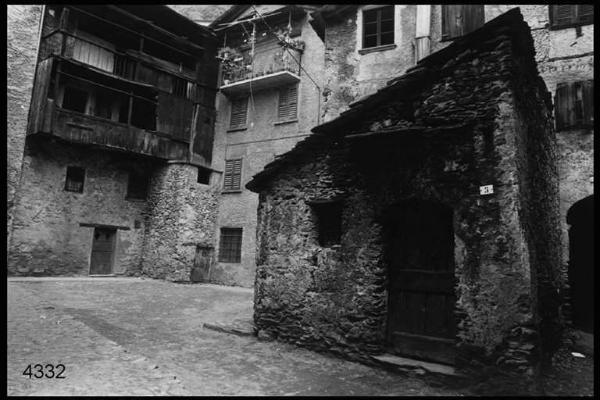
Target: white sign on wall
487, 189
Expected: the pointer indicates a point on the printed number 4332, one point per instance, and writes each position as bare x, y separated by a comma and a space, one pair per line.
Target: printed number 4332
37, 371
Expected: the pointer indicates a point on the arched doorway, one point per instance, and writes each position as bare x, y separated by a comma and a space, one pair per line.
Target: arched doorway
419, 253
580, 217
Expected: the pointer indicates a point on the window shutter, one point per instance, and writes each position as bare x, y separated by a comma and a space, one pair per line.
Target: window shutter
585, 13
562, 106
452, 21
588, 103
563, 14
288, 103
473, 17
233, 174
239, 111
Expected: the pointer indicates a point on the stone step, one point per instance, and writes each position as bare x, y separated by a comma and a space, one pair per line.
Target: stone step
410, 363
240, 329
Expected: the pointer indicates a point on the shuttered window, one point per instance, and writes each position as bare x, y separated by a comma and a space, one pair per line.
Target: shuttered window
574, 105
460, 19
239, 112
233, 175
230, 245
288, 103
378, 27
566, 15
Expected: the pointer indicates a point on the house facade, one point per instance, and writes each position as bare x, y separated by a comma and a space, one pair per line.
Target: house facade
269, 99
424, 220
366, 45
118, 146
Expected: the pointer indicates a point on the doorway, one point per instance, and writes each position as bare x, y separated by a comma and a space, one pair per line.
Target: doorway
419, 253
103, 247
202, 263
581, 263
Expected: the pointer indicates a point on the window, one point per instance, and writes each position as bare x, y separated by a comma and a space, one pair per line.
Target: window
233, 174
230, 247
460, 19
378, 27
137, 185
566, 15
288, 103
75, 178
329, 222
75, 99
203, 176
574, 105
239, 111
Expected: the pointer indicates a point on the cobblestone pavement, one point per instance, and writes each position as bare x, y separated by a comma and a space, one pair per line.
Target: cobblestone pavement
145, 337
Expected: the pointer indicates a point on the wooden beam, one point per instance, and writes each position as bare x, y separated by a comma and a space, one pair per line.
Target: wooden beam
92, 225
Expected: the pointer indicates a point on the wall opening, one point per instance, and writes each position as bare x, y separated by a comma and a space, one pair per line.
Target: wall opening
419, 253
580, 217
329, 222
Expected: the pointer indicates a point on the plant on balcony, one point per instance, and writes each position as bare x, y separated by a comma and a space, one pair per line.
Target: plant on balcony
286, 41
234, 64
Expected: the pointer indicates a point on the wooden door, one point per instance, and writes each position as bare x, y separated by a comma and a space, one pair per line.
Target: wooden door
202, 263
103, 247
420, 257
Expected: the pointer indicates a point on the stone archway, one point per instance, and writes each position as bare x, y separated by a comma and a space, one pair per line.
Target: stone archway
580, 217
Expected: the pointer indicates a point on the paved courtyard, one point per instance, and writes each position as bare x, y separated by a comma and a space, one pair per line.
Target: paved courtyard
130, 336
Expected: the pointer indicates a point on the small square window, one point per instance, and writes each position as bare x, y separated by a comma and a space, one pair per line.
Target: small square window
230, 248
568, 15
204, 176
137, 185
75, 179
329, 222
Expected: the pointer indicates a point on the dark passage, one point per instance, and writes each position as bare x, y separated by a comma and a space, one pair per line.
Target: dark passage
581, 263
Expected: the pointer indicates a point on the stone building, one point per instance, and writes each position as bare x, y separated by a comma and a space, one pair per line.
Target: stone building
357, 65
424, 220
269, 99
116, 173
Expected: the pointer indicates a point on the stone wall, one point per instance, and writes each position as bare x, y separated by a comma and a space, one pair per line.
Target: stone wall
23, 23
258, 145
47, 238
181, 215
334, 299
562, 55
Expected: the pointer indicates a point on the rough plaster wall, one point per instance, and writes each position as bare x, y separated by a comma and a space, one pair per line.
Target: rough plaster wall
202, 14
47, 238
181, 215
257, 146
22, 29
351, 75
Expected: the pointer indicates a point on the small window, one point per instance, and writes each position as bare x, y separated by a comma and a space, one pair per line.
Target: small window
230, 247
75, 99
574, 105
329, 222
567, 15
460, 19
233, 175
204, 176
288, 103
143, 114
378, 27
137, 185
75, 178
239, 111
179, 87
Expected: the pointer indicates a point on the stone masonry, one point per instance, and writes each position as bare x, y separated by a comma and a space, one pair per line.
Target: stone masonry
475, 113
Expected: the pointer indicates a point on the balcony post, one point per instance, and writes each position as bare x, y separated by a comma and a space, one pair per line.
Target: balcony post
130, 108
